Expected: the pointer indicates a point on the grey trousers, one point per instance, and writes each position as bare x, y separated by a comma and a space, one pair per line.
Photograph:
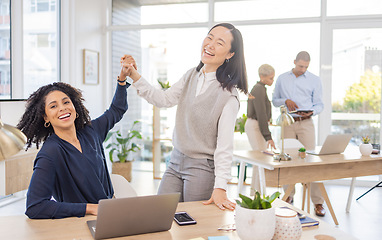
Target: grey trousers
194, 178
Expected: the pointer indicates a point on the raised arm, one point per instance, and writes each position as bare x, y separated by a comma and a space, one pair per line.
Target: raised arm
151, 94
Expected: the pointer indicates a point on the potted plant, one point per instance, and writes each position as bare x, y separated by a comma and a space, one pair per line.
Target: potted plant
366, 148
123, 146
240, 124
164, 84
302, 152
255, 218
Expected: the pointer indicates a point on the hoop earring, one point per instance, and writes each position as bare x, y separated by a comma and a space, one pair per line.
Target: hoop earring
77, 115
227, 60
47, 124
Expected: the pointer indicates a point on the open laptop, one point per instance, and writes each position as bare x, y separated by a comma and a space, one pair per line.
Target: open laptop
333, 144
134, 215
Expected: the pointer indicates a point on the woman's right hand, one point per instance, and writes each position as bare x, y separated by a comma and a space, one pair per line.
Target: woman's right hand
271, 144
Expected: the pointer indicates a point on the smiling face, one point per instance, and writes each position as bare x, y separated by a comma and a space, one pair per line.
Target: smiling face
59, 111
216, 48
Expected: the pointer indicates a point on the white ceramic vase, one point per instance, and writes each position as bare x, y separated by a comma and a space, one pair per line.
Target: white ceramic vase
365, 149
288, 225
255, 224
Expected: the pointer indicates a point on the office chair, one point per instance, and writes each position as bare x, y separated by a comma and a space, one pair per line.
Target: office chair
122, 187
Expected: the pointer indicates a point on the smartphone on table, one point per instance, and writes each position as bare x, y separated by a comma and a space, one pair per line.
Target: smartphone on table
183, 218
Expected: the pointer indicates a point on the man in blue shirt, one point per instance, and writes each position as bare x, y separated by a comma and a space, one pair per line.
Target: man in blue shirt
299, 89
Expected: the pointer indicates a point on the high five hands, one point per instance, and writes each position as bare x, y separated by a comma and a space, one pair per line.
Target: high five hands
129, 65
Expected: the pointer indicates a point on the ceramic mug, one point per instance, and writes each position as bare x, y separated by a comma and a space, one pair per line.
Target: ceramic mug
288, 225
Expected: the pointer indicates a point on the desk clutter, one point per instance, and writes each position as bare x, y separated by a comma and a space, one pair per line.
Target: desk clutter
305, 221
288, 225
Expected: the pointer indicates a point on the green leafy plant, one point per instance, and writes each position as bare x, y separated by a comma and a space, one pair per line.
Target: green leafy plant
366, 140
164, 85
240, 124
302, 149
124, 144
257, 202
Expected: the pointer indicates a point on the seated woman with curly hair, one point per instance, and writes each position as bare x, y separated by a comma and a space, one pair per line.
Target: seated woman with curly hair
70, 174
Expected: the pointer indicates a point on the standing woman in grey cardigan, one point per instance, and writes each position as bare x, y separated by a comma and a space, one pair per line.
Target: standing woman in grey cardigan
208, 103
259, 112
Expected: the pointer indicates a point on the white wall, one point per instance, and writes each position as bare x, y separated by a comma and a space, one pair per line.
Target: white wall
83, 24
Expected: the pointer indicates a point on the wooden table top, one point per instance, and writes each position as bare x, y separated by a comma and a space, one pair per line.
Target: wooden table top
351, 154
209, 219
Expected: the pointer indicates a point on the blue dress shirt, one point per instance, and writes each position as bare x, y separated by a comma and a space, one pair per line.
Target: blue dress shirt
305, 91
73, 178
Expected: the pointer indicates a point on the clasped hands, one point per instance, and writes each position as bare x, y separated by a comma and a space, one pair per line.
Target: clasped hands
129, 67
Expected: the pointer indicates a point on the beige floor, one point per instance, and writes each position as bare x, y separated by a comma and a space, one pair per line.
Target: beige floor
363, 221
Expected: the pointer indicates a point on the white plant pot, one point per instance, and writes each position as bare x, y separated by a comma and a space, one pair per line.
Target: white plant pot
365, 149
255, 224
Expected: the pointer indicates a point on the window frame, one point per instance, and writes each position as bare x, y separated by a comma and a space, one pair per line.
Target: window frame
17, 48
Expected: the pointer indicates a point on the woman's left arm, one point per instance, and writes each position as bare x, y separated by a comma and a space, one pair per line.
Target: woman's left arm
223, 155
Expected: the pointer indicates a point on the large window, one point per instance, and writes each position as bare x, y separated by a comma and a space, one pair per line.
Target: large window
265, 9
34, 46
348, 8
5, 50
356, 78
41, 44
165, 38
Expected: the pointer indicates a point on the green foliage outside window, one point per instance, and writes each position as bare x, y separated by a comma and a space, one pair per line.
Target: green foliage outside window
362, 97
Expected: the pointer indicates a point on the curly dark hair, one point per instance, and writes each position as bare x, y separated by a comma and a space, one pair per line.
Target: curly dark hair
32, 121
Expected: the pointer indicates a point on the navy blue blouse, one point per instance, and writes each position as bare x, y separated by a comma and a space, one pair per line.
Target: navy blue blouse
73, 178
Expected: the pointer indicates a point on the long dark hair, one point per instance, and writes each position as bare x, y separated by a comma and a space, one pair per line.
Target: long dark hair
232, 73
32, 121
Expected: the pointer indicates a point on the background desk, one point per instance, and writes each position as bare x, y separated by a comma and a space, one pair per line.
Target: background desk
209, 218
313, 168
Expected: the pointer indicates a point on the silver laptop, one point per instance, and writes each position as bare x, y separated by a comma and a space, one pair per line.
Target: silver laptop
135, 215
333, 144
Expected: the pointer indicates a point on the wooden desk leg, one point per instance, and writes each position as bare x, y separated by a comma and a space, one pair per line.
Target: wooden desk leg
351, 192
241, 177
325, 195
303, 196
263, 190
288, 192
308, 197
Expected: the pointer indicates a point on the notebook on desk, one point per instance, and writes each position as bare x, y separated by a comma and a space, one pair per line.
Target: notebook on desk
135, 215
333, 144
